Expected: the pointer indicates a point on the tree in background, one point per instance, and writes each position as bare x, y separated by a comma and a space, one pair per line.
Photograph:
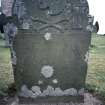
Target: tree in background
96, 26
3, 22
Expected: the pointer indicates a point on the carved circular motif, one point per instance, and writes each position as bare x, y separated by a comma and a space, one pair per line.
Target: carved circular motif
47, 71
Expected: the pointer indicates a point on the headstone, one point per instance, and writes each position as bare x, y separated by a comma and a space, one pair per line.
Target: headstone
6, 7
50, 49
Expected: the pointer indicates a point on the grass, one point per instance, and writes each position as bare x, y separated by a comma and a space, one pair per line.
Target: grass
96, 70
6, 74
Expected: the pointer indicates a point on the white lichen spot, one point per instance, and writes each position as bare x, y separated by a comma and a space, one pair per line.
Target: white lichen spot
89, 28
48, 36
49, 91
40, 82
81, 91
36, 90
58, 92
25, 92
86, 57
49, 12
55, 81
47, 71
71, 91
25, 25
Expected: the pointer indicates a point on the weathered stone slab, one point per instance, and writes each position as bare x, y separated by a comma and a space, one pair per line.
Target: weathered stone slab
50, 50
63, 55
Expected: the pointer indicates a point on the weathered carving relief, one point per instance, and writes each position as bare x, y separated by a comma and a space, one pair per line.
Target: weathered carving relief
70, 15
50, 91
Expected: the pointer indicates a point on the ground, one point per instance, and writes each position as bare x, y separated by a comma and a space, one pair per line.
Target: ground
96, 71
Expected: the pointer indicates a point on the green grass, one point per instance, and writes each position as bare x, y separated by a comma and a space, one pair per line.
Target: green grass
6, 74
96, 69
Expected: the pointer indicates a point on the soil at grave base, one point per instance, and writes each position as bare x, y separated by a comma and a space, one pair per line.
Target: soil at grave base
90, 99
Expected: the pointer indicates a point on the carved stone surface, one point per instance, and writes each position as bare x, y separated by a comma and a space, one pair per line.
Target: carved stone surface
51, 46
57, 16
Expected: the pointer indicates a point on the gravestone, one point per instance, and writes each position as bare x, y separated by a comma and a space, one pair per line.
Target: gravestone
6, 9
50, 47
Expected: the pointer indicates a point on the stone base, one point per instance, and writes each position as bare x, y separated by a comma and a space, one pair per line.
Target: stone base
52, 100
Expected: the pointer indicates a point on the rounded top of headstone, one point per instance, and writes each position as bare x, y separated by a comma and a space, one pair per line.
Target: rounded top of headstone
61, 15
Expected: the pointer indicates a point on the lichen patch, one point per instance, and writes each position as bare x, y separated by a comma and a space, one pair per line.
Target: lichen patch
55, 81
35, 92
48, 36
47, 71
